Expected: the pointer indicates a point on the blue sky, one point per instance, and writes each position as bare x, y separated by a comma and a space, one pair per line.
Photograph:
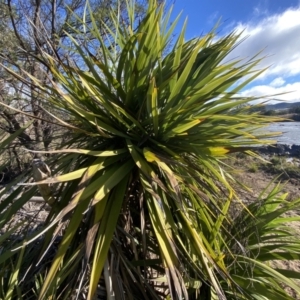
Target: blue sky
272, 25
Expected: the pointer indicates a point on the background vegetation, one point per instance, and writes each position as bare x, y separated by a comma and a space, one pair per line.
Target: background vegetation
28, 28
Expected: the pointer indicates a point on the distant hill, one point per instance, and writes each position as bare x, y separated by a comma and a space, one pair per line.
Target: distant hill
282, 105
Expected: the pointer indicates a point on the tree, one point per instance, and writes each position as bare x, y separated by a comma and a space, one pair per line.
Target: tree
30, 29
143, 199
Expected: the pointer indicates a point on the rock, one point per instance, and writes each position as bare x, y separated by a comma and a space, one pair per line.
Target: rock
280, 150
295, 150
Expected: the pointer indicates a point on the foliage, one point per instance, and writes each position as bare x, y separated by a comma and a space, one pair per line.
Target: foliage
292, 113
253, 168
28, 28
259, 241
142, 198
270, 112
294, 110
281, 165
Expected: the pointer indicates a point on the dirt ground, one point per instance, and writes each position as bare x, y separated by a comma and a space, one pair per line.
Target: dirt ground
259, 180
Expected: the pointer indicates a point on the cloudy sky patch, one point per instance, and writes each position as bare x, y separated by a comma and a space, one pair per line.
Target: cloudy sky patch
277, 82
270, 26
278, 37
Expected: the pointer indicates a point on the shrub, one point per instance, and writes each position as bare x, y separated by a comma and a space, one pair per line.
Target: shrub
143, 199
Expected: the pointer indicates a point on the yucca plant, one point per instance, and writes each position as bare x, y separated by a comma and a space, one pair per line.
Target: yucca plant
261, 235
142, 199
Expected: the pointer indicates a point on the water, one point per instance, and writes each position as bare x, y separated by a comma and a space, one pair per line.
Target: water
290, 132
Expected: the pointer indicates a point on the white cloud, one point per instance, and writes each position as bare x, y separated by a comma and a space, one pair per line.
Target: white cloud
279, 81
289, 92
279, 36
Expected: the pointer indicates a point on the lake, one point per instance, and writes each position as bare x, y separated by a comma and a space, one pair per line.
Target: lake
290, 132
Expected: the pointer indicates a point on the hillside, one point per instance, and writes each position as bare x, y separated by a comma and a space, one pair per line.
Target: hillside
282, 105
